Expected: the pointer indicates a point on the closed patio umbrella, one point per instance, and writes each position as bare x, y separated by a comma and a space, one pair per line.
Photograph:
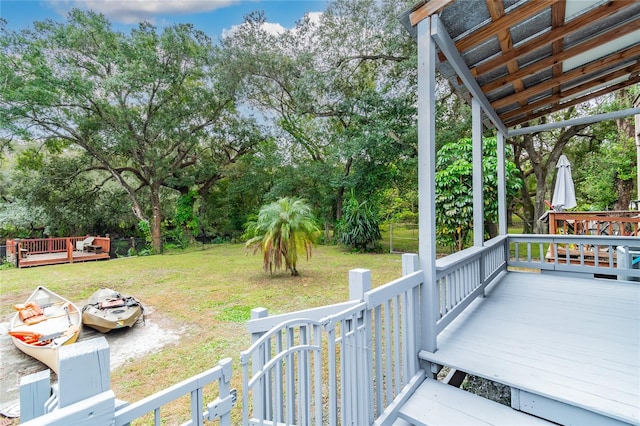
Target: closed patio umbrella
564, 194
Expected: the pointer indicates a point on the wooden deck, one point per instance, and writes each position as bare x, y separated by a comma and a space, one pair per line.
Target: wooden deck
49, 251
55, 258
568, 347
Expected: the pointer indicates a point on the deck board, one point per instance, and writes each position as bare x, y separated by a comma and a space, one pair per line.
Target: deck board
435, 403
573, 340
42, 259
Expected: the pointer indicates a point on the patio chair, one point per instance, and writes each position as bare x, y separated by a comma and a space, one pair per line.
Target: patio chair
82, 245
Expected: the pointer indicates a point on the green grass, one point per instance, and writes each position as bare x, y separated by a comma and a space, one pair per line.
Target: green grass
208, 293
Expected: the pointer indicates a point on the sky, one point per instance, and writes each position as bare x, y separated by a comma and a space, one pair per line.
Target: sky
214, 17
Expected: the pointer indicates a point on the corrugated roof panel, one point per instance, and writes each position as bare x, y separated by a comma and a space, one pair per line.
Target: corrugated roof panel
531, 27
534, 56
463, 16
482, 52
601, 51
600, 25
501, 92
575, 8
492, 75
538, 77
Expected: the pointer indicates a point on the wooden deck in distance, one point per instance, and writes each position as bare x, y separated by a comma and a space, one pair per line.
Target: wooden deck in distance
55, 258
568, 347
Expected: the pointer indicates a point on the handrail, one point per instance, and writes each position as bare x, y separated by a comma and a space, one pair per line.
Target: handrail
463, 276
360, 385
217, 409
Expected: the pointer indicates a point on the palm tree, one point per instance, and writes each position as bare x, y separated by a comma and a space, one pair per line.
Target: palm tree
283, 229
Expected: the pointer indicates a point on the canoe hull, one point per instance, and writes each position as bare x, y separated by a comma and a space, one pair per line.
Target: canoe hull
63, 319
105, 319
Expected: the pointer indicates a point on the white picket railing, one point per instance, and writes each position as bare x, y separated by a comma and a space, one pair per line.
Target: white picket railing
83, 395
463, 276
343, 368
351, 363
218, 409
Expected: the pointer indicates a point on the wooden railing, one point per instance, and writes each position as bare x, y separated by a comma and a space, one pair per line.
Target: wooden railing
613, 223
368, 363
23, 248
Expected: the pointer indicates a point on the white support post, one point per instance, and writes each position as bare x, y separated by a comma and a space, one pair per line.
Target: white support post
502, 186
258, 360
34, 392
478, 184
426, 182
410, 263
637, 133
257, 313
359, 283
84, 371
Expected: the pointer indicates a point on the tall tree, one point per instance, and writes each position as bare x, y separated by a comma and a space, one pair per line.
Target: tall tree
143, 107
536, 156
340, 90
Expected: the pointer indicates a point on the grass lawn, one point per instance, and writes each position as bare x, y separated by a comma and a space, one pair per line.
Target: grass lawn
208, 293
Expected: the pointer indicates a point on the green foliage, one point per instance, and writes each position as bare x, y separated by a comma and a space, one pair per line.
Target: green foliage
152, 110
454, 189
145, 230
281, 230
6, 265
360, 226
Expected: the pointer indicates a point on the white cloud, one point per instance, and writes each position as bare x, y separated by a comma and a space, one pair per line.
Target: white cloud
269, 27
314, 17
134, 11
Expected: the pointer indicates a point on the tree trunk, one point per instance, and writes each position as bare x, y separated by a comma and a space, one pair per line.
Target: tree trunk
623, 188
491, 228
156, 220
340, 195
542, 166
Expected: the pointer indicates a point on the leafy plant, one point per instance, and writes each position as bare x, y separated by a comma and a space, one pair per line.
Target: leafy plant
360, 225
454, 190
282, 229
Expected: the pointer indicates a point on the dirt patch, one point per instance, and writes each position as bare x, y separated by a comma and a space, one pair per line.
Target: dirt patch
125, 345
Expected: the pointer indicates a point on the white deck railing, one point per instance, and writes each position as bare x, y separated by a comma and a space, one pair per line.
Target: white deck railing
463, 276
355, 362
83, 395
218, 409
344, 368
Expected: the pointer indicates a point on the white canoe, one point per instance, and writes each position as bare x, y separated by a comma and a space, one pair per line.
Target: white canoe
59, 325
107, 310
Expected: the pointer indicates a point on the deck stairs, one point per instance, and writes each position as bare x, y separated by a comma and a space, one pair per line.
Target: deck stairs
437, 403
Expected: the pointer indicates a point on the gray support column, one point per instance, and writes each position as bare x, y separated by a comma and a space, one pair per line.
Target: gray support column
426, 182
637, 133
478, 196
502, 187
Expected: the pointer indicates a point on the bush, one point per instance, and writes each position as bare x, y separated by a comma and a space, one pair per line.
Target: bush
360, 226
